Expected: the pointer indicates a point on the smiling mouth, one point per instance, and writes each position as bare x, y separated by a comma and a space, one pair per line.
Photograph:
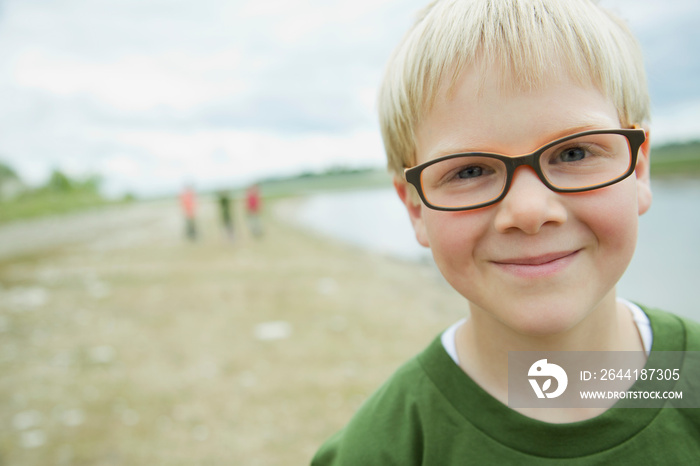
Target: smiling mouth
537, 267
537, 260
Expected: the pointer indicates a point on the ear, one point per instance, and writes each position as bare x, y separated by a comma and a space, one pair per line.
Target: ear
643, 177
414, 207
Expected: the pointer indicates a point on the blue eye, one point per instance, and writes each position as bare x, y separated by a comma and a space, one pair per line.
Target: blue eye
573, 155
470, 172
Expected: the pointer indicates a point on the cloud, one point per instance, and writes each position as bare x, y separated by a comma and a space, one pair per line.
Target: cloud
147, 93
670, 40
212, 159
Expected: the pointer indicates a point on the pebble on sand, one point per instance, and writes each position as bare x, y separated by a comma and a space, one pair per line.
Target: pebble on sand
274, 330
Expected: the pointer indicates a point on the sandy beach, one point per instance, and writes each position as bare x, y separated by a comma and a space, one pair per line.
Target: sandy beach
123, 344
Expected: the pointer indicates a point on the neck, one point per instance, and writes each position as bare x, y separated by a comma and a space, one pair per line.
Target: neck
483, 342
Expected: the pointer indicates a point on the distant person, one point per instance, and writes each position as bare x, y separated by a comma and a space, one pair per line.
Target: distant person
188, 202
253, 207
226, 213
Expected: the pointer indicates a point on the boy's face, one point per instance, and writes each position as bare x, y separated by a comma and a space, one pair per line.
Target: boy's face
537, 262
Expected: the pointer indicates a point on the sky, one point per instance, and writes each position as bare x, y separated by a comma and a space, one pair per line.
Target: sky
153, 94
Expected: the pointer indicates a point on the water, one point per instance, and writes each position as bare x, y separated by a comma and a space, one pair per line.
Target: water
664, 273
372, 219
665, 270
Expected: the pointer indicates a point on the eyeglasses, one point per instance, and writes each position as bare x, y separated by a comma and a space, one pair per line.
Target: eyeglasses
576, 163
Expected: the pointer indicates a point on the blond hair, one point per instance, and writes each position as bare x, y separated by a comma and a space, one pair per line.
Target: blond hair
526, 39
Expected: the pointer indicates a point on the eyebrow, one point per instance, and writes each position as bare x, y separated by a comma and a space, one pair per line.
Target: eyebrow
574, 130
550, 138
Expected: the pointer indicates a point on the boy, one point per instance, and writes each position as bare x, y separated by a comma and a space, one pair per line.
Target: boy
536, 243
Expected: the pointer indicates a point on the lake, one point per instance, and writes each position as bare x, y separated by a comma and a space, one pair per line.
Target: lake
665, 271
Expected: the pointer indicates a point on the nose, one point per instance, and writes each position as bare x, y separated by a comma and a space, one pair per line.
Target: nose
529, 205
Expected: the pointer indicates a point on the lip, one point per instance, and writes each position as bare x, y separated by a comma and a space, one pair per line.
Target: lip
537, 266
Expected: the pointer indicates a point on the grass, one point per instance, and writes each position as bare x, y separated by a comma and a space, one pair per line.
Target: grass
676, 167
41, 203
676, 159
306, 184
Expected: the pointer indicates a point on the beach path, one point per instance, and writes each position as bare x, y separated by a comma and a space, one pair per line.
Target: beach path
122, 343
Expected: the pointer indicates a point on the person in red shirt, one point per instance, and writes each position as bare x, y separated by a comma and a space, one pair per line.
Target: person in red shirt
188, 202
253, 207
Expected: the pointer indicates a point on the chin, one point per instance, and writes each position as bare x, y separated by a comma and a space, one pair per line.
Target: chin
543, 322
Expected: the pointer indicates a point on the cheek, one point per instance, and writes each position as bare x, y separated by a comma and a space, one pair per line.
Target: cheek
454, 235
611, 214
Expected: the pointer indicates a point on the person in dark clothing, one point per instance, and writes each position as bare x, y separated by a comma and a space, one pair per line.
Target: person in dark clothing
226, 212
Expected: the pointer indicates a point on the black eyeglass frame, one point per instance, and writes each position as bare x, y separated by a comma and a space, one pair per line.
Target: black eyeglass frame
635, 137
